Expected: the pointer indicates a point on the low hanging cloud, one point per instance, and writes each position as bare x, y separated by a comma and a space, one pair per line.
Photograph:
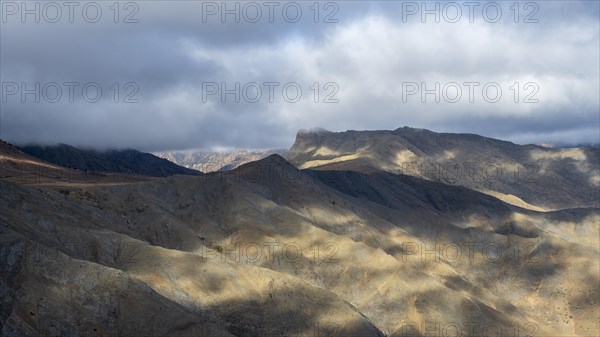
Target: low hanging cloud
180, 78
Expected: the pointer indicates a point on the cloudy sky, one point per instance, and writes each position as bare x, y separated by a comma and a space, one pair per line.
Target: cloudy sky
176, 75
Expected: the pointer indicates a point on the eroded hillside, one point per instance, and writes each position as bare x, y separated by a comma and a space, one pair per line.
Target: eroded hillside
268, 249
529, 176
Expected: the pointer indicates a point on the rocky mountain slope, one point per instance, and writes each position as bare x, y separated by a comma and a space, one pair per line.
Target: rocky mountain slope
531, 176
20, 167
267, 249
116, 161
212, 161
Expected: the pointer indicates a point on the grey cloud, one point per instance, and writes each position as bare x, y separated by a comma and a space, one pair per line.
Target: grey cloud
170, 53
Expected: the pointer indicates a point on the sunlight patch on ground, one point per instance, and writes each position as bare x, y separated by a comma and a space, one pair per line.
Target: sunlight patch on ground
317, 163
326, 152
575, 154
585, 232
30, 162
514, 200
405, 156
595, 180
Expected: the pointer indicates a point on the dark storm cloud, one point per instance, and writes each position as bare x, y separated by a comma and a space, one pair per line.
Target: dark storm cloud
173, 52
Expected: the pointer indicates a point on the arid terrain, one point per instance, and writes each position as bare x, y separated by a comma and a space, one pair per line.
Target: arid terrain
359, 233
211, 161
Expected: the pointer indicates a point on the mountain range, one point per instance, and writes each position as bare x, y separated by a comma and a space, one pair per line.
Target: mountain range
352, 234
116, 161
211, 161
529, 176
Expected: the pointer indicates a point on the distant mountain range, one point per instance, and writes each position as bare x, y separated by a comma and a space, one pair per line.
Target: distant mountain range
116, 161
212, 161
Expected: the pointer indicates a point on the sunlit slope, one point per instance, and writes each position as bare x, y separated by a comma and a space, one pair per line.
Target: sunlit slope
531, 176
269, 247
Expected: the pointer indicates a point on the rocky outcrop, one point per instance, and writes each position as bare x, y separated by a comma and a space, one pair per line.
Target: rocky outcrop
531, 176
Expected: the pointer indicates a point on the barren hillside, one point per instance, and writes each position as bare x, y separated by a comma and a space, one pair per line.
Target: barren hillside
268, 249
531, 176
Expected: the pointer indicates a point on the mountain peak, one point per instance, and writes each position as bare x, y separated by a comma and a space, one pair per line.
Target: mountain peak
408, 149
409, 129
316, 130
272, 160
271, 168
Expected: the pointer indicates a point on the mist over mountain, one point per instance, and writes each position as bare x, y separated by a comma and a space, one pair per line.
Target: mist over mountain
525, 175
116, 161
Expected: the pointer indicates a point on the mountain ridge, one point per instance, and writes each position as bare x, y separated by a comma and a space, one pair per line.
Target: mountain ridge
213, 161
544, 178
269, 248
116, 161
